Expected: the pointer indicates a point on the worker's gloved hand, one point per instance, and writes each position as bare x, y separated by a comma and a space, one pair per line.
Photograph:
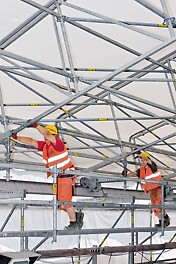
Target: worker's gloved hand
34, 125
124, 173
14, 136
137, 153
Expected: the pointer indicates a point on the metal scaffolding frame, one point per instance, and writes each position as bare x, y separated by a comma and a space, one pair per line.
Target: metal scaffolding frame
121, 201
82, 90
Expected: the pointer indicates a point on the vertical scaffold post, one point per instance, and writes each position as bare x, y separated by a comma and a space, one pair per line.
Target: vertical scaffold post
162, 209
131, 254
55, 204
8, 153
151, 236
94, 257
22, 239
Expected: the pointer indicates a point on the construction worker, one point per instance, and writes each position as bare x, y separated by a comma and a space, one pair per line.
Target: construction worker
149, 171
55, 153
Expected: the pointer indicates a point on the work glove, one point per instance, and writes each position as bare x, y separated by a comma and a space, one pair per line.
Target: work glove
34, 125
14, 136
124, 173
137, 153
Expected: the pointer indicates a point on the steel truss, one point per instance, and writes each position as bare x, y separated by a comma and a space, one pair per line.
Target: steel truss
85, 89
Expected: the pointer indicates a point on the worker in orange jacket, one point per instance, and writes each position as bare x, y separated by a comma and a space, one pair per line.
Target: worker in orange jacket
55, 153
149, 171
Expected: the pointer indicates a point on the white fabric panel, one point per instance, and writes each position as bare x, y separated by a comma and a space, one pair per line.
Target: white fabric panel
18, 174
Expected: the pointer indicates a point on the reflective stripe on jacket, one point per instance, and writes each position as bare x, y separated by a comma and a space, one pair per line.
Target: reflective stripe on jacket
53, 157
147, 174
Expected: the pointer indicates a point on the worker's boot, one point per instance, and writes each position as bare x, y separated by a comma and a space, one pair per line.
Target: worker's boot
79, 219
166, 220
158, 225
72, 226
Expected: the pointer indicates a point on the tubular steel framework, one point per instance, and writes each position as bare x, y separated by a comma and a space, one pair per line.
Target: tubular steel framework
105, 114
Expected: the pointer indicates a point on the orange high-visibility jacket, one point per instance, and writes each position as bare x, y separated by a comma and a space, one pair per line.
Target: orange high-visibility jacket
147, 174
53, 157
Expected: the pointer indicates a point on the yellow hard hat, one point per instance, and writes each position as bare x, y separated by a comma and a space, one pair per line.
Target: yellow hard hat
52, 129
144, 154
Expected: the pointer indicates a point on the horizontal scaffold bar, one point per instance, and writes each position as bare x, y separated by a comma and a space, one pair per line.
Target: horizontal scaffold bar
103, 250
49, 233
